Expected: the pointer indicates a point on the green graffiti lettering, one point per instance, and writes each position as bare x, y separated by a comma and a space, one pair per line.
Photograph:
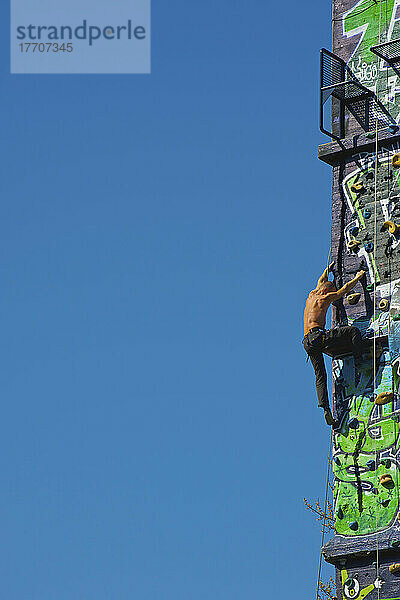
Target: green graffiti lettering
367, 20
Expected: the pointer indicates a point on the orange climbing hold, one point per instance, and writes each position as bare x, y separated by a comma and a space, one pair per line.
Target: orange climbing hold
394, 568
357, 187
386, 480
393, 227
384, 304
396, 161
353, 245
353, 298
384, 398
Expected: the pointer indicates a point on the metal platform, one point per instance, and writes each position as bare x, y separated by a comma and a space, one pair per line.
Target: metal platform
348, 91
389, 52
338, 82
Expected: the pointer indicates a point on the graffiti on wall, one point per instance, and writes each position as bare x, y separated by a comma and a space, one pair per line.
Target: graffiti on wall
352, 589
380, 249
364, 25
366, 235
367, 445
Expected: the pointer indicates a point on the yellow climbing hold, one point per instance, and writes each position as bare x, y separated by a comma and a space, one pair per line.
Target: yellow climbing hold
393, 227
353, 244
394, 568
384, 304
357, 187
396, 161
386, 480
384, 398
353, 298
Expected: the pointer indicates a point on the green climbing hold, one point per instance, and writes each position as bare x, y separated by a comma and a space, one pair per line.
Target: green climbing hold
395, 543
385, 503
370, 135
339, 513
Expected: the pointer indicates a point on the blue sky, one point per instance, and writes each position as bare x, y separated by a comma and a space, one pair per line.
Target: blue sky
158, 236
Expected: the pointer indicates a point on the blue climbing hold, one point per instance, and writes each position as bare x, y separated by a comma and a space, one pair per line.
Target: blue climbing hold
354, 231
353, 423
353, 525
367, 213
371, 465
337, 460
369, 246
393, 128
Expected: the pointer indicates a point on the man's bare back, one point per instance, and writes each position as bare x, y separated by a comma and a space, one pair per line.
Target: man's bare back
315, 311
320, 299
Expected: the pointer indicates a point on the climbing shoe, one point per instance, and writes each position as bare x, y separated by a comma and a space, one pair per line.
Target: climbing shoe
379, 350
329, 417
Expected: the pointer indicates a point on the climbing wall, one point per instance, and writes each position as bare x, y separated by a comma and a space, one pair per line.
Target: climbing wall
366, 235
356, 27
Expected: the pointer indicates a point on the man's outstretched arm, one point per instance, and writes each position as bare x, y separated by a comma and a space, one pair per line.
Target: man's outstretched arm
324, 276
347, 286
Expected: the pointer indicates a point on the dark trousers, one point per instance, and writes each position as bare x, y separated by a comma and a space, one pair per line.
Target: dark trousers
316, 342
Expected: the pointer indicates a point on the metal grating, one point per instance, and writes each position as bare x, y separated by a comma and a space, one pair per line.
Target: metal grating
389, 51
340, 85
332, 69
368, 114
349, 91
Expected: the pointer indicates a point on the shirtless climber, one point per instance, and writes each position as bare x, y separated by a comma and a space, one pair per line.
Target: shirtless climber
317, 339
